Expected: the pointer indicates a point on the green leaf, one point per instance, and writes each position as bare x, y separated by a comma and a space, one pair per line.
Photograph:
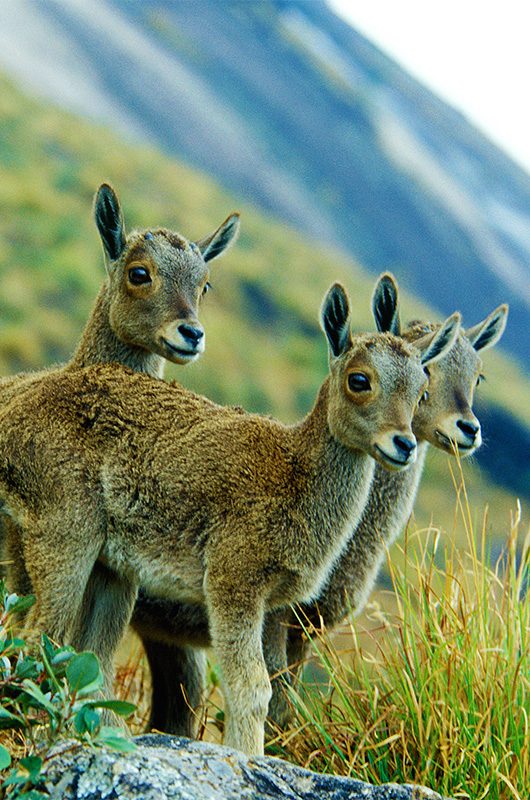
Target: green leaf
13, 604
86, 720
32, 765
59, 664
9, 601
63, 655
120, 707
28, 668
5, 758
13, 779
21, 604
33, 690
213, 676
9, 720
84, 671
33, 794
115, 739
13, 643
56, 655
5, 666
48, 646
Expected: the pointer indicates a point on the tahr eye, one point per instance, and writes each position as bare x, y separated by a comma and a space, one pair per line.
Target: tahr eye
424, 397
358, 382
427, 371
139, 275
480, 378
206, 288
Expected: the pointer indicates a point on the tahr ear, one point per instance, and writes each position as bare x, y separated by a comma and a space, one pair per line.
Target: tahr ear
217, 242
435, 345
488, 332
109, 220
335, 319
385, 305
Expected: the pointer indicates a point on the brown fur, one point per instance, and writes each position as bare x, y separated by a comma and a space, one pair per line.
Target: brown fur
128, 322
452, 384
453, 377
198, 503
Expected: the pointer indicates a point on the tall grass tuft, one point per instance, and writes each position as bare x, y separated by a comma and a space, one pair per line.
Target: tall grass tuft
435, 689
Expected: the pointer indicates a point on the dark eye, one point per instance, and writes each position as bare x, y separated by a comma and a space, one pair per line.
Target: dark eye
206, 288
424, 397
480, 378
358, 382
427, 371
139, 275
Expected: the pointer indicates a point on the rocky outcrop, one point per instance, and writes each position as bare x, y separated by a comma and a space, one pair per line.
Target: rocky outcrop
171, 768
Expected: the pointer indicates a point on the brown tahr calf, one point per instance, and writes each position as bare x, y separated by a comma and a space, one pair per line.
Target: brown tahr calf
200, 503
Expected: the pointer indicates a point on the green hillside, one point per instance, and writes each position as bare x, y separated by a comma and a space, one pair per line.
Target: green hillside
264, 347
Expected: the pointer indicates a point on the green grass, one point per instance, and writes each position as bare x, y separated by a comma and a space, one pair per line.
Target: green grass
433, 685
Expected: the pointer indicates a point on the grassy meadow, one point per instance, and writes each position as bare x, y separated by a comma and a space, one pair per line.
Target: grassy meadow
431, 683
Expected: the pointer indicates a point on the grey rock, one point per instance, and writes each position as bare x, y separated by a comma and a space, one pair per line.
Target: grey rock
172, 768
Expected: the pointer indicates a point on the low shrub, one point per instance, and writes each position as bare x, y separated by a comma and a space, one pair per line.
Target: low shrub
48, 693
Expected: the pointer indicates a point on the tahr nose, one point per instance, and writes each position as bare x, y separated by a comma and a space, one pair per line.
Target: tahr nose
407, 446
470, 429
193, 335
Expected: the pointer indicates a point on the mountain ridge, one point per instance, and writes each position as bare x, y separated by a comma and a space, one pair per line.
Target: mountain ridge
340, 142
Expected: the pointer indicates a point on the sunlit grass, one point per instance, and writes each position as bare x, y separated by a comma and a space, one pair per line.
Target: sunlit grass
432, 684
434, 688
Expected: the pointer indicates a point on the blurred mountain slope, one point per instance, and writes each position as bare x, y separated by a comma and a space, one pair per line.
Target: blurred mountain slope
289, 107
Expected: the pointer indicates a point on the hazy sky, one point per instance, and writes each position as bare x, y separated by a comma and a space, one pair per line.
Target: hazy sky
474, 53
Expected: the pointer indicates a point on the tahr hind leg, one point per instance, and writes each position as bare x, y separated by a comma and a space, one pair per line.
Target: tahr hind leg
173, 636
275, 632
177, 679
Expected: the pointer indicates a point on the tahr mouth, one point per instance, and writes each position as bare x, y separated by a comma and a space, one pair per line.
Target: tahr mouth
394, 462
188, 355
449, 444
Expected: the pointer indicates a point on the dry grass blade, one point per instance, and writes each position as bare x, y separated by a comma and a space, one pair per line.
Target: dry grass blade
439, 693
